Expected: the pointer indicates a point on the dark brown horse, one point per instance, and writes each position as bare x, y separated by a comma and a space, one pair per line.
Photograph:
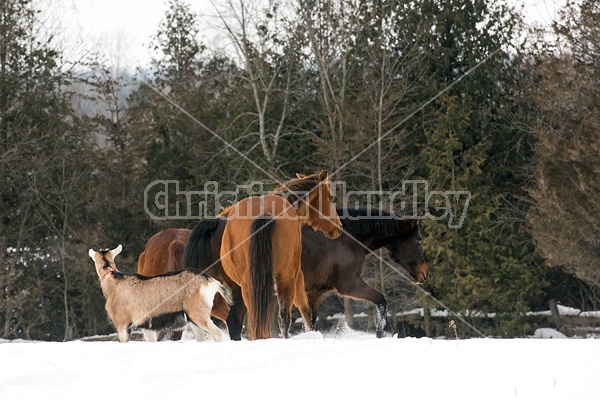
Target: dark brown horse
328, 265
261, 249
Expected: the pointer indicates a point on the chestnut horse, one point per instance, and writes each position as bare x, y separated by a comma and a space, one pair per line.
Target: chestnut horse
261, 249
164, 253
328, 265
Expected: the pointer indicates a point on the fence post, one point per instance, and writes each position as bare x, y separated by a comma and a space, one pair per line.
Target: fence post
555, 314
426, 318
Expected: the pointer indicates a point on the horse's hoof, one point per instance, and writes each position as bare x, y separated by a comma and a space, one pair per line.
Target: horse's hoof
380, 334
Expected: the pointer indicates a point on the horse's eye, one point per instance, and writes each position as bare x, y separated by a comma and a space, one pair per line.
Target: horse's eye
331, 198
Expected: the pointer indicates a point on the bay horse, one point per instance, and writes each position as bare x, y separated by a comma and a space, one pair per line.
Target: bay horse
261, 249
163, 254
328, 265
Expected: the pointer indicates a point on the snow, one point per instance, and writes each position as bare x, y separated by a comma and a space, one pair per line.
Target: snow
548, 333
562, 310
350, 365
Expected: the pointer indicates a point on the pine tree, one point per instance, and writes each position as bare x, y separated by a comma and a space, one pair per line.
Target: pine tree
42, 167
564, 219
488, 264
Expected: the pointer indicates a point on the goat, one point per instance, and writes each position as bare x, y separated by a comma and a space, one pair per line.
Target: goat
157, 302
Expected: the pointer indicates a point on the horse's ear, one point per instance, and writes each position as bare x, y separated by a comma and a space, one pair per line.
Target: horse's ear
91, 253
300, 176
323, 176
116, 251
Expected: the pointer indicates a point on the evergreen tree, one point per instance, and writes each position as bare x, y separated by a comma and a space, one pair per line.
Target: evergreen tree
473, 144
43, 171
564, 219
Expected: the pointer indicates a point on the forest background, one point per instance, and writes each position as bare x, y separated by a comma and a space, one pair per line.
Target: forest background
456, 93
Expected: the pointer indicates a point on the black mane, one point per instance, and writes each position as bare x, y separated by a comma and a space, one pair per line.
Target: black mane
297, 189
372, 221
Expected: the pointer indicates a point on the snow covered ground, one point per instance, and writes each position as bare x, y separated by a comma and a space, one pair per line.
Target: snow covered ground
350, 365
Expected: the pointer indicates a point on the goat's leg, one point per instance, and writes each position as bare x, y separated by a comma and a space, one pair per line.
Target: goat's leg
123, 334
198, 333
203, 322
149, 334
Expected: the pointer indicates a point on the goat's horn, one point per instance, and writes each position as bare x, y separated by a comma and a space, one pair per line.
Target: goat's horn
116, 251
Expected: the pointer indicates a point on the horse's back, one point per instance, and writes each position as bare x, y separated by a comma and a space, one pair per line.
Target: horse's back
242, 214
235, 243
256, 206
164, 252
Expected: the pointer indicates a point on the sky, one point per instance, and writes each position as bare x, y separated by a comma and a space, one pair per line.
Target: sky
122, 29
348, 365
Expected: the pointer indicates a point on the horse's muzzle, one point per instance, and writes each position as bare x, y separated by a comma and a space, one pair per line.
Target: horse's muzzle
422, 273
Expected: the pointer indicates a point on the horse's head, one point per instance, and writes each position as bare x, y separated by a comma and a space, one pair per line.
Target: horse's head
313, 201
104, 260
407, 251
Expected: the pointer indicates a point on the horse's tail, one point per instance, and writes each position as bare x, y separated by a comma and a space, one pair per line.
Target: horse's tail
176, 250
141, 263
198, 253
260, 312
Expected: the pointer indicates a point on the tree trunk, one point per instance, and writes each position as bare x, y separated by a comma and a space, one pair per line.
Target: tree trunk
348, 311
426, 318
555, 314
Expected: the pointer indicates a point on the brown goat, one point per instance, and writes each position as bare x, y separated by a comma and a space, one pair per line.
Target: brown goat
157, 302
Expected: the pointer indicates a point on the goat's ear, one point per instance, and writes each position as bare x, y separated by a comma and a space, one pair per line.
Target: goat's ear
300, 176
116, 251
91, 253
323, 176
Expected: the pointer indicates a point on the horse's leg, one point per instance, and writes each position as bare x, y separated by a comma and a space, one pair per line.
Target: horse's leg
285, 299
246, 300
288, 295
160, 335
236, 315
301, 301
314, 300
176, 334
357, 288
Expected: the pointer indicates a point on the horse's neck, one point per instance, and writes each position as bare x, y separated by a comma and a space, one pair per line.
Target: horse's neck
305, 218
314, 221
377, 242
225, 212
375, 239
369, 242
